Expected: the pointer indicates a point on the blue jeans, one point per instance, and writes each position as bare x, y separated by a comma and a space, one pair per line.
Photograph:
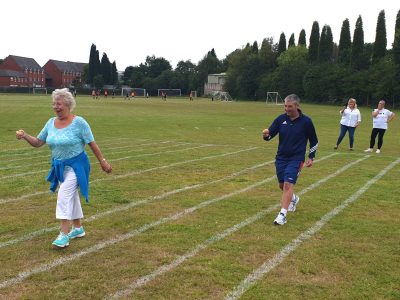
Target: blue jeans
343, 130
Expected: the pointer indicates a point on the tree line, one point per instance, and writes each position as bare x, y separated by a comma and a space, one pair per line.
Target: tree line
321, 71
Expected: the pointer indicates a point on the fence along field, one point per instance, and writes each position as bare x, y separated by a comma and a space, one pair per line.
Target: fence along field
187, 212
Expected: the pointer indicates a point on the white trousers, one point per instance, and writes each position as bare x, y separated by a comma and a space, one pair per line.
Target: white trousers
68, 201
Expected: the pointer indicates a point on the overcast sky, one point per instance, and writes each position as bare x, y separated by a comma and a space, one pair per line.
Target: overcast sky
128, 31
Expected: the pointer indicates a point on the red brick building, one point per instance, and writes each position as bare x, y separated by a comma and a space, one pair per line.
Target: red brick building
21, 71
62, 74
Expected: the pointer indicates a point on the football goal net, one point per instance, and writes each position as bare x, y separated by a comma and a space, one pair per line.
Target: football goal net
139, 92
39, 91
169, 92
273, 98
223, 96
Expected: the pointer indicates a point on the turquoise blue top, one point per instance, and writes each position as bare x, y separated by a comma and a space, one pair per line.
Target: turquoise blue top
69, 141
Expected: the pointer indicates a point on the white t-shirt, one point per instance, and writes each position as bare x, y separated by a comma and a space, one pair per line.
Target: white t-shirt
350, 117
381, 120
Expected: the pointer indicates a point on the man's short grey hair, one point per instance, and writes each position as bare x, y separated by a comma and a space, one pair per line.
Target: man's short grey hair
293, 98
66, 96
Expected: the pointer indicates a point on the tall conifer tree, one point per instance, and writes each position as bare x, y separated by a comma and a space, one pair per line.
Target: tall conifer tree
344, 50
358, 59
325, 45
314, 43
106, 69
254, 48
380, 38
291, 41
92, 64
282, 44
302, 38
396, 43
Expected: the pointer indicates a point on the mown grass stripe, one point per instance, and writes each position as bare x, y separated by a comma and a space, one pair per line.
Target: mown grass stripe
8, 200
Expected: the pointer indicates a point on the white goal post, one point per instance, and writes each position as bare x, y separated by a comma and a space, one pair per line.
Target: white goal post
39, 90
193, 94
274, 98
139, 92
169, 92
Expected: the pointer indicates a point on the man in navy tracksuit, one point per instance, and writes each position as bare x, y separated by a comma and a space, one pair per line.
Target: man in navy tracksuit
295, 130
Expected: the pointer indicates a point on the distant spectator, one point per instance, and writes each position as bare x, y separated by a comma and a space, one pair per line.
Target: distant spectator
93, 94
105, 93
380, 119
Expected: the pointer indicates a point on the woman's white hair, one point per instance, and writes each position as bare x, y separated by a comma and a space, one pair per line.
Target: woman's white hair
66, 96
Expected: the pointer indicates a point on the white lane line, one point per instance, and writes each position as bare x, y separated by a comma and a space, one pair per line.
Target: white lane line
173, 165
27, 151
158, 153
111, 153
120, 238
8, 200
168, 267
23, 174
270, 264
33, 234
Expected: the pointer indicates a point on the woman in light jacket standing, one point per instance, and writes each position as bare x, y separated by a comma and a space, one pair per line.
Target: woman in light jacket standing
351, 118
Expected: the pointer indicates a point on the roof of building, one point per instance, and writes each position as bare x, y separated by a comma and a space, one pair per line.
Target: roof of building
68, 66
219, 74
26, 62
10, 73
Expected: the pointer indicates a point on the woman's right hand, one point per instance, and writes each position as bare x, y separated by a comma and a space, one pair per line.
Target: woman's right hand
19, 134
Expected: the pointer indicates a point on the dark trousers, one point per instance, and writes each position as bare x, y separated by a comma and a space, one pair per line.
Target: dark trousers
377, 132
343, 130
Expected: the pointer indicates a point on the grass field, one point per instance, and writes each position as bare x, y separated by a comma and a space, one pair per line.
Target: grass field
187, 212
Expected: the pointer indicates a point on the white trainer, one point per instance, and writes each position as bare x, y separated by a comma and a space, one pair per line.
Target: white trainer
378, 151
368, 150
280, 219
293, 203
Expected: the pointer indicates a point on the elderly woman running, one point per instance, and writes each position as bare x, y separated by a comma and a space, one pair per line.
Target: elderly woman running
67, 134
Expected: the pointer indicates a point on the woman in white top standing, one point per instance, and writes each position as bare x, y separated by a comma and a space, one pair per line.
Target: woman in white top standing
351, 118
380, 119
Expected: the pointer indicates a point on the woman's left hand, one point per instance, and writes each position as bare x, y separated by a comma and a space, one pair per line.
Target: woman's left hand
106, 166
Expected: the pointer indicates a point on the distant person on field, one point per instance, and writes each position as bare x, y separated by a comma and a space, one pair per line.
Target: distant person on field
67, 134
351, 118
380, 119
295, 129
93, 94
105, 93
190, 96
133, 95
113, 94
